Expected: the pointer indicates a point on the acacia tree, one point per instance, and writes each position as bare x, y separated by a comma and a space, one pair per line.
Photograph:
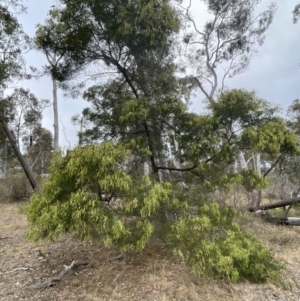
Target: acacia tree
99, 187
138, 115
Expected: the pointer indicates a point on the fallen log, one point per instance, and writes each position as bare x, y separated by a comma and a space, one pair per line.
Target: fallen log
277, 204
288, 221
293, 221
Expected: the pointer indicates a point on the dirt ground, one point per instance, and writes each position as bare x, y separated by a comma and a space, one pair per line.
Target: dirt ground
151, 275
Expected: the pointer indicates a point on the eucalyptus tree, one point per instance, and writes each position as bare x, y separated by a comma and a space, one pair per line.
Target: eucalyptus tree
289, 166
39, 149
26, 112
227, 41
13, 43
59, 34
124, 36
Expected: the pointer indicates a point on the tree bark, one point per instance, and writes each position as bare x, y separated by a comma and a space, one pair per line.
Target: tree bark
277, 204
18, 153
55, 111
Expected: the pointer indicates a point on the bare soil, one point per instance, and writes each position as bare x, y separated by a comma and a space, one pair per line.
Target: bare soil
151, 275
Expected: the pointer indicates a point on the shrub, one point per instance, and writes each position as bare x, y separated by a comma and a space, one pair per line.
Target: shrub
212, 244
15, 188
91, 193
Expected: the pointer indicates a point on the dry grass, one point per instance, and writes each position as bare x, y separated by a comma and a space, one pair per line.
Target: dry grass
151, 275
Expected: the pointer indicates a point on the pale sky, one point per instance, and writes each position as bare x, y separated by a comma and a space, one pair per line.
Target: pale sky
274, 73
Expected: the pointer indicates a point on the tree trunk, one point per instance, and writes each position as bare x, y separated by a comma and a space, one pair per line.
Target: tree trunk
18, 153
277, 204
241, 158
146, 169
5, 158
55, 111
257, 164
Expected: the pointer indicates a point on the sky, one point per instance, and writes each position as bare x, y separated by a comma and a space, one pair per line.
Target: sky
274, 73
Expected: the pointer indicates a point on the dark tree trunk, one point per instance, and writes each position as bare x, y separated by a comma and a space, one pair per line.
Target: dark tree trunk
18, 153
277, 204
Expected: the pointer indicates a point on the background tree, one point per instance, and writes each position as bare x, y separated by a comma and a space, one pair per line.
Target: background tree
13, 41
39, 149
27, 112
55, 52
23, 113
228, 41
124, 36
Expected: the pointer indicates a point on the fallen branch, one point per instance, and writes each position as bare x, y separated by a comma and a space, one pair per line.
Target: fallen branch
119, 257
53, 281
18, 269
277, 204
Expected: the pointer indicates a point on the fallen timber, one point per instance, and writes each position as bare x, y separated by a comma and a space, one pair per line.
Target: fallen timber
292, 221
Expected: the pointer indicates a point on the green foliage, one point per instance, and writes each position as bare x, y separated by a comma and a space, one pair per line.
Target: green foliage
212, 245
118, 32
272, 137
99, 191
251, 180
242, 108
13, 41
92, 194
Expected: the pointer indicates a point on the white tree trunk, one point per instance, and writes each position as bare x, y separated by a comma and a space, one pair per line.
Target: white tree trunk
55, 111
3, 161
146, 169
242, 160
257, 163
5, 152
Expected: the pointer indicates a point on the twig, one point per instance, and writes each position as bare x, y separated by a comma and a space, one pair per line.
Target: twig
115, 258
53, 281
18, 269
65, 132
